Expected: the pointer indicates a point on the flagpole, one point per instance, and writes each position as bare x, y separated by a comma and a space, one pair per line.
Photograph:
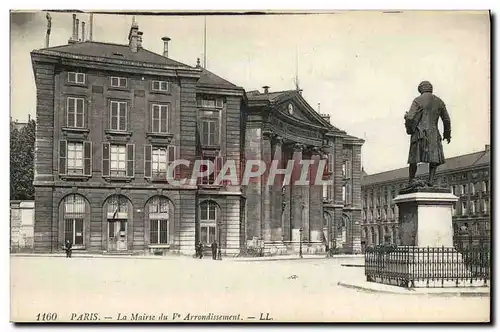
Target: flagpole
205, 44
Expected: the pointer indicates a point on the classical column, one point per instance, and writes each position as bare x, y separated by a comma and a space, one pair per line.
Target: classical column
277, 195
315, 200
297, 199
266, 189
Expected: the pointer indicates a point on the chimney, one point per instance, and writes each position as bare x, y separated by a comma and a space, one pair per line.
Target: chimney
76, 29
319, 107
266, 89
91, 25
165, 46
139, 39
487, 148
83, 31
73, 33
198, 63
133, 36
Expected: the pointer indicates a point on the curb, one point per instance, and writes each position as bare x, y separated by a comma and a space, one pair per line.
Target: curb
473, 292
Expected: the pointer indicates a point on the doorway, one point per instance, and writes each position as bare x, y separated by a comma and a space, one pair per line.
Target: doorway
117, 234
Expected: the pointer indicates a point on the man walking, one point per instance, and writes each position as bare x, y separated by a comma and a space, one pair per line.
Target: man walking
67, 248
214, 250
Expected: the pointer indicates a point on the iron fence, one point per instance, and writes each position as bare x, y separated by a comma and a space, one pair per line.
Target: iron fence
409, 266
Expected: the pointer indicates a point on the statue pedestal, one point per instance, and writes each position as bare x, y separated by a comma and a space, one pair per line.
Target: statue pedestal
425, 217
426, 256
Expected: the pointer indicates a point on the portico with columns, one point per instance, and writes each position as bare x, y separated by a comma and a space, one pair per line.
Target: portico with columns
282, 127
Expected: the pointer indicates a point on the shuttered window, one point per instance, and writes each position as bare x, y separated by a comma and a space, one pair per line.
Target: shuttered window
74, 216
118, 160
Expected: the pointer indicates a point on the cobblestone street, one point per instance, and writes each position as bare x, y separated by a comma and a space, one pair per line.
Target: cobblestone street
283, 290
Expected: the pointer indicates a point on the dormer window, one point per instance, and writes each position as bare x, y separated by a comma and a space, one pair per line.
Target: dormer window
207, 102
118, 82
77, 78
162, 86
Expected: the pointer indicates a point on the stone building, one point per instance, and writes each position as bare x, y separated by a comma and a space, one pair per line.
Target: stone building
112, 117
467, 176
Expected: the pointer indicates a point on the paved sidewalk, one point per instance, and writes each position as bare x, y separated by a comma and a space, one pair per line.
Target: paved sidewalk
374, 287
229, 258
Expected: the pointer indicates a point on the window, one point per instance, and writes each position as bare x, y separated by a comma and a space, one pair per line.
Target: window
452, 190
453, 210
158, 219
210, 132
485, 205
463, 189
159, 163
472, 207
217, 167
331, 164
344, 170
159, 86
75, 158
74, 216
393, 212
363, 215
75, 113
159, 118
118, 82
78, 78
118, 160
208, 221
207, 102
464, 208
475, 228
118, 115
472, 188
485, 186
343, 194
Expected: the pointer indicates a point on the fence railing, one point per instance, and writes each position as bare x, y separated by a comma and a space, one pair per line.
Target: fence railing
408, 266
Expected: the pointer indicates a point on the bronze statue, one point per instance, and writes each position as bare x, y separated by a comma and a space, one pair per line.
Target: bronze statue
421, 122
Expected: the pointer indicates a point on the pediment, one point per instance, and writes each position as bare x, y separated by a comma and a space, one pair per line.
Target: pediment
296, 108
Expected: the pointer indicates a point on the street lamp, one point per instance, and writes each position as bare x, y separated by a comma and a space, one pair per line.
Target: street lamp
300, 242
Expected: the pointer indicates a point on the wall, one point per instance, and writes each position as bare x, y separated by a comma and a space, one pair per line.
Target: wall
22, 225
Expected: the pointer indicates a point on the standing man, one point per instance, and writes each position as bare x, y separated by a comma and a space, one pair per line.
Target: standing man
67, 248
200, 250
214, 250
421, 122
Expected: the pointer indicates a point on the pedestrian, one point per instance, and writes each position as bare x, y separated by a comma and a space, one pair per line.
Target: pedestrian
200, 250
67, 248
214, 250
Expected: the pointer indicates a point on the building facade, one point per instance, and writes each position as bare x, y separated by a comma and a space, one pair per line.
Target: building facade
467, 177
111, 118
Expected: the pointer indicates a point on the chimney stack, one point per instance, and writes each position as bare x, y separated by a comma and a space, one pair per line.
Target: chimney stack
91, 25
133, 36
73, 33
139, 39
77, 27
266, 89
83, 31
165, 46
319, 107
487, 147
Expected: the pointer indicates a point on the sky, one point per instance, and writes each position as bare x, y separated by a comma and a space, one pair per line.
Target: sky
363, 67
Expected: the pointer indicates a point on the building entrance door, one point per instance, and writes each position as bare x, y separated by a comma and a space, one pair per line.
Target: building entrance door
117, 234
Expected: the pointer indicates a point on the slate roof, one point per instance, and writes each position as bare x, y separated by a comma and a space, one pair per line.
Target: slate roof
270, 96
209, 79
115, 51
480, 158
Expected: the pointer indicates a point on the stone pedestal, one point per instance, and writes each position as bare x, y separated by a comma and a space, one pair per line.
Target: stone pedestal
425, 217
426, 256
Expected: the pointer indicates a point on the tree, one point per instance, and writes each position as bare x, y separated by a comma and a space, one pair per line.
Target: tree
22, 156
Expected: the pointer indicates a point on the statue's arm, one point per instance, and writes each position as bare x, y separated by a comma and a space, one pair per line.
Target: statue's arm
410, 118
445, 117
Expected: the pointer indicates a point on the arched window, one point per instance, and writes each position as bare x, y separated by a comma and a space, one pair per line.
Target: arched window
74, 216
118, 213
159, 212
208, 222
